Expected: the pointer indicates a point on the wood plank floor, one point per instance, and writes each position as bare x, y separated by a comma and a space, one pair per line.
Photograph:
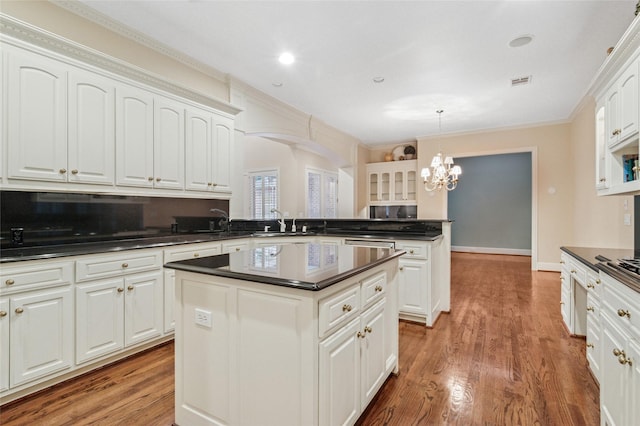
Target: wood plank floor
502, 357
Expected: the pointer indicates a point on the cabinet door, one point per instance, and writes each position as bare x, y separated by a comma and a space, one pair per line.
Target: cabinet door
134, 137
601, 149
221, 158
4, 344
91, 128
198, 150
339, 379
612, 120
413, 291
99, 318
374, 187
169, 300
373, 361
41, 334
629, 102
143, 307
615, 377
410, 185
37, 119
634, 385
168, 144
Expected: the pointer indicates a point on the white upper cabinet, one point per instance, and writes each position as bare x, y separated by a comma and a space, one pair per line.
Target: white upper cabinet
168, 144
209, 139
36, 118
392, 182
221, 155
91, 128
134, 137
70, 125
617, 114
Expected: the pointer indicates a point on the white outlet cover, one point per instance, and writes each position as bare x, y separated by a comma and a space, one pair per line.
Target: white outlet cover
203, 318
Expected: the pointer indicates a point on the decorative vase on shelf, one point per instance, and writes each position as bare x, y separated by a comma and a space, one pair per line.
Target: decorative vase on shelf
388, 156
409, 152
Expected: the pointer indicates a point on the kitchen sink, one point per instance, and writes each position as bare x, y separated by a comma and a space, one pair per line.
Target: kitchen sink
281, 234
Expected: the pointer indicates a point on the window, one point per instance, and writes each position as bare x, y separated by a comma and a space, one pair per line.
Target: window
263, 193
322, 193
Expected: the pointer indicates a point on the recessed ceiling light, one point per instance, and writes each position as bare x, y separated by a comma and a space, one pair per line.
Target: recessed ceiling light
378, 79
286, 58
521, 41
277, 84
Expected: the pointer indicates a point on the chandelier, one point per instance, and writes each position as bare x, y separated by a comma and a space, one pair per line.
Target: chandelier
442, 174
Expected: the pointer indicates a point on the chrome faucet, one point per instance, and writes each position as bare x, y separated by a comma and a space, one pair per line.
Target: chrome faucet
283, 226
224, 223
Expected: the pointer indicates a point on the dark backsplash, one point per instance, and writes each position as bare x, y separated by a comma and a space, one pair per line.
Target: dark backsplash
44, 218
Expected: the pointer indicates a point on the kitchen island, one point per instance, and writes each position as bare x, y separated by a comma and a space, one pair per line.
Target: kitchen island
291, 334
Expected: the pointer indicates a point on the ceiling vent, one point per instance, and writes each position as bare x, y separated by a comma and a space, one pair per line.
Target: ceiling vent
520, 81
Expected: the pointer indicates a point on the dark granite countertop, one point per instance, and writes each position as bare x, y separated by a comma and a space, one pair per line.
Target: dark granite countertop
592, 256
599, 259
75, 249
308, 266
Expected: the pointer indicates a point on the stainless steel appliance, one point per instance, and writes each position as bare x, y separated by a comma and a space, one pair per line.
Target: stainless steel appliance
393, 212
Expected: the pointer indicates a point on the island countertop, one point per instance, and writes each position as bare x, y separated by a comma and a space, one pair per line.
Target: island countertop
305, 266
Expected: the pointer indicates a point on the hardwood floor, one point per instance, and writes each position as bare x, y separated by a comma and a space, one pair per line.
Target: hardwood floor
502, 357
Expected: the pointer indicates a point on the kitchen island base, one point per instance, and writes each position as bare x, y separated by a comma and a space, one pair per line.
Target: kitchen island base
249, 353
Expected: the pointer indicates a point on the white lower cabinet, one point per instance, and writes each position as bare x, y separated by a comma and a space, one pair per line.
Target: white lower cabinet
40, 334
4, 343
116, 313
413, 294
620, 368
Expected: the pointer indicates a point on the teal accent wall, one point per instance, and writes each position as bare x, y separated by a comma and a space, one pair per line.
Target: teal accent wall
491, 206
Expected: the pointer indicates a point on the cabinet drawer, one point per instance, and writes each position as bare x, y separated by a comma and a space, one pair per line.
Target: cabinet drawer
338, 309
95, 267
578, 272
191, 251
373, 288
621, 303
35, 275
414, 250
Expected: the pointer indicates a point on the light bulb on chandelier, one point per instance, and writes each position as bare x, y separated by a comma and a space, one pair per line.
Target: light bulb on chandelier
442, 174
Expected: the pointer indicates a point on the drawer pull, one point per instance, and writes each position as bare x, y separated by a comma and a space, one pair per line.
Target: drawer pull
196, 254
237, 248
9, 282
616, 132
3, 314
130, 288
573, 271
19, 310
378, 288
401, 268
589, 308
158, 179
561, 302
590, 345
411, 251
562, 262
63, 171
120, 289
367, 329
125, 265
591, 286
74, 171
360, 335
622, 313
346, 308
561, 278
150, 179
598, 281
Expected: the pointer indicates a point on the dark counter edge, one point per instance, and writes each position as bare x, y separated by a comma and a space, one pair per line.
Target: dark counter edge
77, 249
604, 256
301, 285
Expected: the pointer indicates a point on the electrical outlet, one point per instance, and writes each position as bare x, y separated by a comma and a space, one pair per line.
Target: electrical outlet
17, 236
627, 219
203, 318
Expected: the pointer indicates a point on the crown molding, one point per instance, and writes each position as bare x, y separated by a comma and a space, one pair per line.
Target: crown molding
103, 20
24, 35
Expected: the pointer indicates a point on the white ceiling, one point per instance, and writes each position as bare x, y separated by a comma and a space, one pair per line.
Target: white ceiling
451, 55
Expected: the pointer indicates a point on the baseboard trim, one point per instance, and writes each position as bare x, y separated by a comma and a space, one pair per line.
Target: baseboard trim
491, 250
549, 266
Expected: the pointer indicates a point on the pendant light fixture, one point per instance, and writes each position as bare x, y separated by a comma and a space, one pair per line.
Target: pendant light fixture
442, 174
